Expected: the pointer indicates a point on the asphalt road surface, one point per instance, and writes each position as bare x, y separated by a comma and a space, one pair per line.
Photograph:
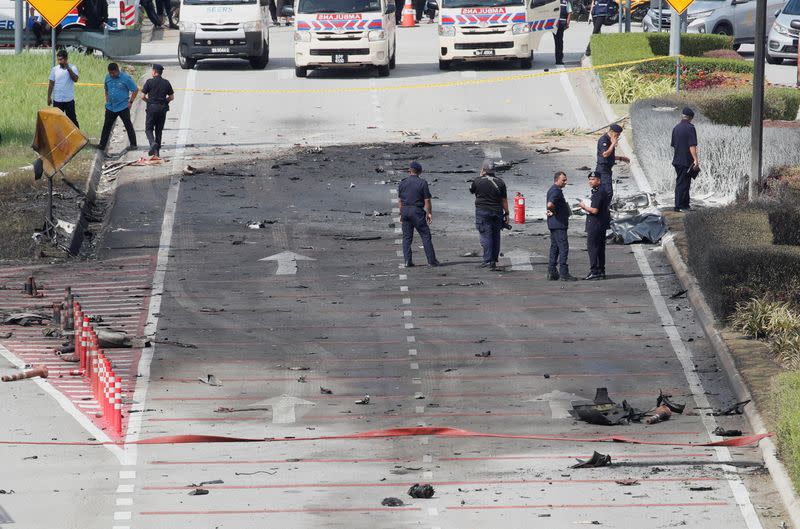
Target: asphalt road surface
457, 346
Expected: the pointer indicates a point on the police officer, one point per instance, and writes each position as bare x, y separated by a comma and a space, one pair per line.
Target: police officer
685, 160
564, 15
157, 93
557, 222
416, 212
491, 212
164, 8
607, 157
598, 12
598, 218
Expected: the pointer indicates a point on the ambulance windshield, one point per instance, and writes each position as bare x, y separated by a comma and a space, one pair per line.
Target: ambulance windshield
481, 3
338, 6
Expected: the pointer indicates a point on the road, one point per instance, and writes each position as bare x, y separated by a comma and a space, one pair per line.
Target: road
458, 346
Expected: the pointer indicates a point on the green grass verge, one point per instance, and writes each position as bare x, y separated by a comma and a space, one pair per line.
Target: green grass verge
610, 48
787, 413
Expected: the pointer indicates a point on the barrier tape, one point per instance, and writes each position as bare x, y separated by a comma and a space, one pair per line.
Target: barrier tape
433, 431
358, 89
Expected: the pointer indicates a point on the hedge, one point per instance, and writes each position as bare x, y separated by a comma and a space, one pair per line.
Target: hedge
692, 44
611, 48
666, 66
734, 106
732, 254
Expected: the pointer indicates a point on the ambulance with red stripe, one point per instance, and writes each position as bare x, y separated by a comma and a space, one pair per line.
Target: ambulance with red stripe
479, 30
343, 33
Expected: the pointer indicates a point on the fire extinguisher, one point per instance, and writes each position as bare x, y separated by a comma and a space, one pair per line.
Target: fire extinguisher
519, 208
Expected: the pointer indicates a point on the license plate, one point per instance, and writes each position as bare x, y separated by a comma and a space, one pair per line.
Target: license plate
340, 58
220, 50
484, 53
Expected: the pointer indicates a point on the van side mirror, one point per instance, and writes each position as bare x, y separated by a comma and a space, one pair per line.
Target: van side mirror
795, 24
287, 11
390, 8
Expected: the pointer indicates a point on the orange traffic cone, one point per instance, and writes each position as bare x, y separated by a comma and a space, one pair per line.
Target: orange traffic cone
409, 15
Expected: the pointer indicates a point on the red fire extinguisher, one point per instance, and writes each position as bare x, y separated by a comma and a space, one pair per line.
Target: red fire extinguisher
519, 209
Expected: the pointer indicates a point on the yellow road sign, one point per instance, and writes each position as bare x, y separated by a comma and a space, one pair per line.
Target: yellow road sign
54, 11
678, 5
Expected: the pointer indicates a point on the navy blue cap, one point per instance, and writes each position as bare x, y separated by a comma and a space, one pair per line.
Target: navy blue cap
688, 112
158, 68
415, 166
616, 128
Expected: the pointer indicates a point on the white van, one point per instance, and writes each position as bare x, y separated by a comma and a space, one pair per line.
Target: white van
493, 29
343, 33
224, 29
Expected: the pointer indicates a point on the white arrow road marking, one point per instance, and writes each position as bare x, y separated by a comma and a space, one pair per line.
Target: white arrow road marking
286, 409
560, 402
287, 262
520, 260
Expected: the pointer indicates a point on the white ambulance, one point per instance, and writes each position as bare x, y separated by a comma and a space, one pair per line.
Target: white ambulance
472, 30
343, 33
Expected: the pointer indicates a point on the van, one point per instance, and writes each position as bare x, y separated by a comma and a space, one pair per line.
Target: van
479, 30
782, 40
224, 29
343, 34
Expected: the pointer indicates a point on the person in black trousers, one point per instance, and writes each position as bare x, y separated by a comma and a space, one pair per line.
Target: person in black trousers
164, 8
120, 90
491, 212
558, 213
157, 93
685, 160
564, 15
598, 218
416, 213
599, 11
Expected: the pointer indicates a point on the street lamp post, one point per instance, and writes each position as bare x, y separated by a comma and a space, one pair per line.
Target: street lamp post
757, 116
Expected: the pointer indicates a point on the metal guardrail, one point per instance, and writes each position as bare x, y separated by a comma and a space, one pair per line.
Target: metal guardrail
112, 43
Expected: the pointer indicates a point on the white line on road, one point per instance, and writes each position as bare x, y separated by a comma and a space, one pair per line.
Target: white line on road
740, 493
580, 117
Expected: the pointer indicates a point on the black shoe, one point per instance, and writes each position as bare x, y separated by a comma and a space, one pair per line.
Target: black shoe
485, 265
560, 62
678, 210
101, 147
592, 277
151, 152
409, 265
173, 25
133, 147
588, 53
435, 263
552, 276
494, 268
157, 153
568, 277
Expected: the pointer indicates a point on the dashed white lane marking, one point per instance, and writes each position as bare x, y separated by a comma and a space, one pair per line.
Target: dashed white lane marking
411, 339
403, 277
406, 301
122, 515
404, 289
125, 489
739, 490
419, 409
124, 502
412, 352
414, 365
399, 253
406, 313
427, 458
469, 74
127, 474
432, 511
376, 103
409, 326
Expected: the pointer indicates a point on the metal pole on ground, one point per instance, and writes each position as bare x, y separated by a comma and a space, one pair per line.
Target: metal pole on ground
19, 22
675, 46
757, 117
628, 17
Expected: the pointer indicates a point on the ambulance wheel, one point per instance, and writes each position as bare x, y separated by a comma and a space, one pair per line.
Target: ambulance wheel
260, 62
393, 60
300, 71
185, 62
384, 70
444, 65
527, 63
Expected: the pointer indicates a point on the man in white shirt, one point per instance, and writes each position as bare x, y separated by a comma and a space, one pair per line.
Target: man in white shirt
61, 89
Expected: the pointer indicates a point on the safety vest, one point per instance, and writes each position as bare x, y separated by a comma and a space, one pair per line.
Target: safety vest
600, 8
562, 14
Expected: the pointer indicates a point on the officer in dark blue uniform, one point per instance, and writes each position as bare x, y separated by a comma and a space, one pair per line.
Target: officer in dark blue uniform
491, 212
416, 212
685, 160
598, 11
598, 219
607, 157
564, 15
557, 222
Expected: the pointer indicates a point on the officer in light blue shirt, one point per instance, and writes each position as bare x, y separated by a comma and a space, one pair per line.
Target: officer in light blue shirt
121, 92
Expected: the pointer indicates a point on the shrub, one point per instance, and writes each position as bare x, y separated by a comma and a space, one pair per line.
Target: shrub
785, 224
626, 86
666, 66
692, 44
764, 318
786, 349
787, 413
732, 255
723, 54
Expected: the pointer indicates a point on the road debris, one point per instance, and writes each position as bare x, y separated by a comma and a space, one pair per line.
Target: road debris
40, 371
364, 400
392, 502
211, 380
421, 491
25, 319
357, 237
701, 488
679, 294
597, 460
325, 391
198, 492
270, 472
647, 228
604, 411
550, 149
736, 409
189, 170
301, 379
4, 335
722, 432
660, 414
299, 368
627, 482
664, 399
484, 354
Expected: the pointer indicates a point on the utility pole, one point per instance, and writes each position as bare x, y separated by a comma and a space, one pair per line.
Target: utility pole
675, 46
619, 14
53, 43
757, 117
19, 23
628, 18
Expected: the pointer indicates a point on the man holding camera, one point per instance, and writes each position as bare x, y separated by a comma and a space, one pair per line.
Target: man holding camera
491, 212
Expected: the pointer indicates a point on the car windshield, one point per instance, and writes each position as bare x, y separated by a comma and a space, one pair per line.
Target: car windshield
792, 8
338, 6
481, 3
217, 2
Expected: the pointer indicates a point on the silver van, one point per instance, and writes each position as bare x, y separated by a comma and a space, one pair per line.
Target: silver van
782, 41
723, 17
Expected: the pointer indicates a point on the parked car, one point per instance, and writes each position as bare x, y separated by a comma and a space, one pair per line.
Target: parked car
722, 17
782, 40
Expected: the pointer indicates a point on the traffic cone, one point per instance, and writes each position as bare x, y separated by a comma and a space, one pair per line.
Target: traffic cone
409, 15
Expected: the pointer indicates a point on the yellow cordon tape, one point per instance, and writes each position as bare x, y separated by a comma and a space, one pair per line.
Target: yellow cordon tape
465, 82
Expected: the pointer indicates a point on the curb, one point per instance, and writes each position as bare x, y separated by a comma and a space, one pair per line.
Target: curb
705, 317
76, 241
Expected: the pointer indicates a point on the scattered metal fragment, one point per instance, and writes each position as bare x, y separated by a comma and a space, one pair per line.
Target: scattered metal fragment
211, 482
198, 492
176, 343
722, 432
484, 354
357, 237
627, 482
550, 150
325, 391
299, 368
703, 488
736, 409
301, 379
678, 294
601, 396
211, 380
392, 502
597, 460
24, 319
270, 472
4, 335
364, 400
664, 399
660, 414
470, 284
421, 491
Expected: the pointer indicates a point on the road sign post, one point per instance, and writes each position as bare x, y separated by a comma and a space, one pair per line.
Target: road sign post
757, 116
676, 24
19, 21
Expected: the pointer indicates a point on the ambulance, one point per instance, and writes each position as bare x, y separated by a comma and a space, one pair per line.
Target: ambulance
343, 33
479, 30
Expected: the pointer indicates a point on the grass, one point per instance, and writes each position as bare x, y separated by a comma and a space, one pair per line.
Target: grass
787, 412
